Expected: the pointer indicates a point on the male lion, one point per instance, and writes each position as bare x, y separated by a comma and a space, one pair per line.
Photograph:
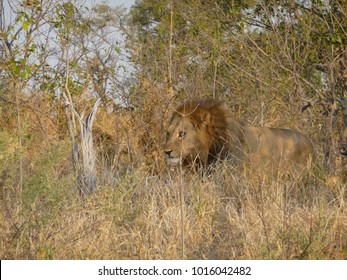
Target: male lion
201, 131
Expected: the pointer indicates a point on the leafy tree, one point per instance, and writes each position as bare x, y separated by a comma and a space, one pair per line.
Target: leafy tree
66, 54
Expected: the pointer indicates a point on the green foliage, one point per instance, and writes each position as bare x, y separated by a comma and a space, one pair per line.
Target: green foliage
8, 149
42, 187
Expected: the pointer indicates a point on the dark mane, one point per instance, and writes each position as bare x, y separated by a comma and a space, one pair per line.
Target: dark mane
222, 129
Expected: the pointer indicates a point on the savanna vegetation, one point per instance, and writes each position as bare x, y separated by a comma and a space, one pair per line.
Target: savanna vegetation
84, 93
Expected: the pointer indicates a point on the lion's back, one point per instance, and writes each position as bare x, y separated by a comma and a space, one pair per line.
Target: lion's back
278, 146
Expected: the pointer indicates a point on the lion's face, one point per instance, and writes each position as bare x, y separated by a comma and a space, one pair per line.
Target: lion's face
183, 145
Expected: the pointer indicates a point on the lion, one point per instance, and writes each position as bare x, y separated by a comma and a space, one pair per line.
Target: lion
201, 132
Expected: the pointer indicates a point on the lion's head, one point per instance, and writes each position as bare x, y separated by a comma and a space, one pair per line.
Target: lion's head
199, 131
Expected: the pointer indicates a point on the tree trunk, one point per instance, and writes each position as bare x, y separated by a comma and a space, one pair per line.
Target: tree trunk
87, 177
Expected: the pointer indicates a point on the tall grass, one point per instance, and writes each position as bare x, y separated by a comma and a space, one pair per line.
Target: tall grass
222, 215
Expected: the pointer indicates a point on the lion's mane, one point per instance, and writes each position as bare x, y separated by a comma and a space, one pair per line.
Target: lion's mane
217, 132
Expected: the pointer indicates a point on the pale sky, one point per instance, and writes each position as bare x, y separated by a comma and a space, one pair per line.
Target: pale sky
125, 3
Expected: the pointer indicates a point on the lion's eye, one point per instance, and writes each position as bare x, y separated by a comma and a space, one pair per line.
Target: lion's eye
182, 134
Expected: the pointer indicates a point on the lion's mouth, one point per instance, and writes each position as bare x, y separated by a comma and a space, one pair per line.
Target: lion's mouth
172, 160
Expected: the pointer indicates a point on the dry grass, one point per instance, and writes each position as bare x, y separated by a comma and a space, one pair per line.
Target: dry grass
220, 216
137, 215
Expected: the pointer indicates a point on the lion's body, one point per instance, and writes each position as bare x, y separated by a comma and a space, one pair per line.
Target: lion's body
200, 132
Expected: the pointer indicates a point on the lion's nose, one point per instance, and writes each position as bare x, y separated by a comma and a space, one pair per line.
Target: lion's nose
168, 152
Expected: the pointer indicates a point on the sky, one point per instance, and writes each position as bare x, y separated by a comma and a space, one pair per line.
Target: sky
125, 3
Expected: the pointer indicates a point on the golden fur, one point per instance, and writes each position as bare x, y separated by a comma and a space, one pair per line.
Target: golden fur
201, 131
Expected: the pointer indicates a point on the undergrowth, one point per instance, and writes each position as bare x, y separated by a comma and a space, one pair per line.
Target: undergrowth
222, 215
